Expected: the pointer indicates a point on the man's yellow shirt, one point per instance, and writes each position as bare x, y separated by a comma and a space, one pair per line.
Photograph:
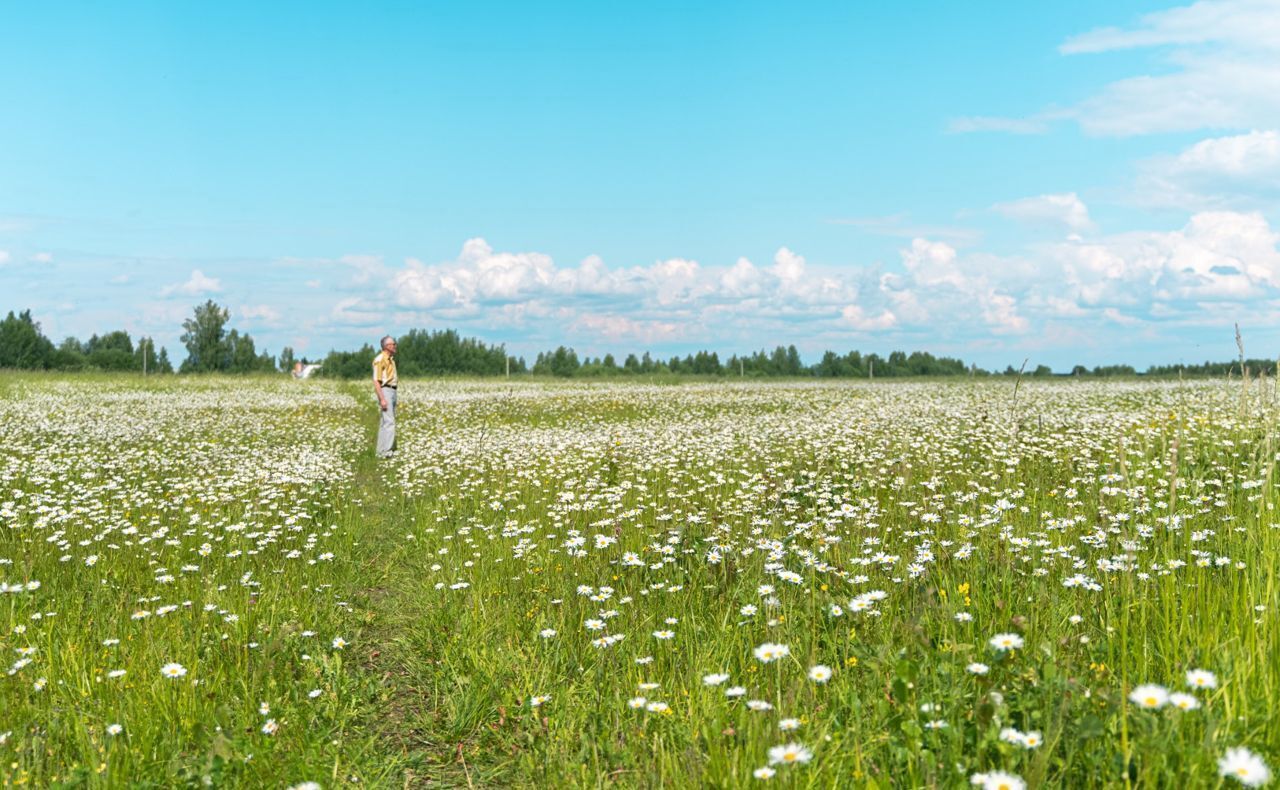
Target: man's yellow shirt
384, 370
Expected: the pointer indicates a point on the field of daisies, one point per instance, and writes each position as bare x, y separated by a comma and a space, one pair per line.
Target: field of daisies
212, 582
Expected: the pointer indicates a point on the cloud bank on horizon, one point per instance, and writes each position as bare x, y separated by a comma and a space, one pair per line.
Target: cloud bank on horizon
1135, 222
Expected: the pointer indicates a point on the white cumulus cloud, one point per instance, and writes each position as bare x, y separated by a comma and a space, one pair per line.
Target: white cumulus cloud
354, 311
196, 285
674, 280
1000, 311
1252, 155
1251, 23
1213, 268
1064, 209
643, 301
618, 327
260, 312
742, 279
856, 317
1066, 285
1234, 171
367, 267
1225, 74
787, 266
933, 263
1218, 256
943, 291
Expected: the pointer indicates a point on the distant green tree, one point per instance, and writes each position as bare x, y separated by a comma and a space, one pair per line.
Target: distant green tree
564, 362
830, 366
242, 357
111, 351
145, 356
706, 363
1114, 370
69, 355
163, 365
118, 340
22, 345
778, 362
204, 335
447, 353
794, 366
211, 348
853, 365
1267, 366
349, 364
896, 365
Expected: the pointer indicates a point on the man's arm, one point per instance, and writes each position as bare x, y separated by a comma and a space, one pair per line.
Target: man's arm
377, 388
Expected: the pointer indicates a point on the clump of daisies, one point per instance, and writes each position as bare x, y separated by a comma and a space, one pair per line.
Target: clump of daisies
1005, 642
998, 780
789, 754
769, 652
1244, 766
866, 602
1149, 696
1183, 701
1027, 740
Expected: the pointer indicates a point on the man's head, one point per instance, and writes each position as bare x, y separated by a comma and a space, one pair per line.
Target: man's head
389, 344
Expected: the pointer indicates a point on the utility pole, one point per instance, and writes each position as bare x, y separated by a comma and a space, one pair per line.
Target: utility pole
742, 372
871, 368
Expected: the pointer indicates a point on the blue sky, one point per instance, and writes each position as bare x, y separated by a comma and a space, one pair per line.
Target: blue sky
1088, 182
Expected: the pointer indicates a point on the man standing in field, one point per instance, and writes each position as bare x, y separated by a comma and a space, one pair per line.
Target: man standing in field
385, 383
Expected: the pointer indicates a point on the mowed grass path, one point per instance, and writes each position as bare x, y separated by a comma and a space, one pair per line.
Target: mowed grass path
640, 586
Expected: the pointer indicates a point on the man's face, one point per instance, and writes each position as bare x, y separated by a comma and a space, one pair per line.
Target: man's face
390, 347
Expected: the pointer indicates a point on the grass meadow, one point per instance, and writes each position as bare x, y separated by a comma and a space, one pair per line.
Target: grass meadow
212, 582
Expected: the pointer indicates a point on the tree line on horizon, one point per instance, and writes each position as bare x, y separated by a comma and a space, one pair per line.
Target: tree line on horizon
213, 348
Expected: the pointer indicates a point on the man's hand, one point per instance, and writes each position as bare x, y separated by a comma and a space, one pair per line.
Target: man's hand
382, 401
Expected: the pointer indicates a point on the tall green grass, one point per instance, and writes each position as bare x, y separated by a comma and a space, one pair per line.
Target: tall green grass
260, 499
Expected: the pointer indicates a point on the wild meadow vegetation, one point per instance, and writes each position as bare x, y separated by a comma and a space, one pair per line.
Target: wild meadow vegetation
933, 583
